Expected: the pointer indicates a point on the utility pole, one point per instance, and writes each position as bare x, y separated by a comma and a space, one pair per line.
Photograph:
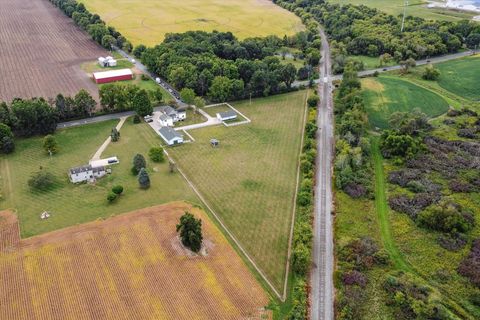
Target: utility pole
404, 13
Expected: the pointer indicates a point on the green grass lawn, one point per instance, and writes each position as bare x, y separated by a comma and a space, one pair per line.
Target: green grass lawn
249, 180
371, 62
192, 118
386, 95
148, 21
416, 8
74, 204
461, 77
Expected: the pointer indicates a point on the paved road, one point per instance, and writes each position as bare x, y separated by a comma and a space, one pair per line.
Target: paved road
321, 278
113, 116
370, 72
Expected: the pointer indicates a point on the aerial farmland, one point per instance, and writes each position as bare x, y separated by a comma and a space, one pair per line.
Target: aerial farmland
132, 266
147, 22
41, 55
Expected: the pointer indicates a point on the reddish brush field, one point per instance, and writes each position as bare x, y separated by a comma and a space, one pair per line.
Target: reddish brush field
41, 51
130, 266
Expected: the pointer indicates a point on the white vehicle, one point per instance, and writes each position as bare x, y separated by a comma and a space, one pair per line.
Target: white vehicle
325, 79
157, 80
148, 118
133, 60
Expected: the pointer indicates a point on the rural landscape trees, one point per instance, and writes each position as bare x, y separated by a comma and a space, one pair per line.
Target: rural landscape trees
190, 229
221, 67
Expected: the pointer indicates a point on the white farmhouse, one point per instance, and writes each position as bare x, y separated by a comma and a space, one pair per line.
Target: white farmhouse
174, 114
165, 121
170, 136
86, 173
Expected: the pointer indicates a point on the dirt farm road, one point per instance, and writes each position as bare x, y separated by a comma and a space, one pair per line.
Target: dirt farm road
321, 277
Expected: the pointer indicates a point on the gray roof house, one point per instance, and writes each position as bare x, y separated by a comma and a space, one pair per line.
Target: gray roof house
174, 114
227, 115
170, 136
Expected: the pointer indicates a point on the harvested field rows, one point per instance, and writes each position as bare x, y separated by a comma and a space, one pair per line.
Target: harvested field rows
41, 51
128, 267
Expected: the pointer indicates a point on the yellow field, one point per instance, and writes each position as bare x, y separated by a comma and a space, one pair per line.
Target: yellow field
148, 21
131, 266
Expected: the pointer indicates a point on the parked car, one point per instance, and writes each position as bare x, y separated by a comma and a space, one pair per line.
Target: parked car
148, 118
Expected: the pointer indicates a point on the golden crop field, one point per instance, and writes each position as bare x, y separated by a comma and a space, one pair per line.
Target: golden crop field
148, 21
130, 266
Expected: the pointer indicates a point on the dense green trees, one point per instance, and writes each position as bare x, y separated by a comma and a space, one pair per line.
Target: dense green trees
190, 230
7, 144
220, 66
352, 165
141, 103
360, 30
33, 116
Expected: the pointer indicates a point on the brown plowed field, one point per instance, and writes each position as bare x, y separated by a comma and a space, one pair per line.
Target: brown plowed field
41, 50
127, 267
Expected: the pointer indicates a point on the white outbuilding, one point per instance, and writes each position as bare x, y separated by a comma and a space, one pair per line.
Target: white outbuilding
170, 136
227, 115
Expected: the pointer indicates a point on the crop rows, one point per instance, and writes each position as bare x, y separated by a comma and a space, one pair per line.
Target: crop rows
128, 267
42, 51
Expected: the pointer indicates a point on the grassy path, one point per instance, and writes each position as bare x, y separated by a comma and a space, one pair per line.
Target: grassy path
382, 211
462, 308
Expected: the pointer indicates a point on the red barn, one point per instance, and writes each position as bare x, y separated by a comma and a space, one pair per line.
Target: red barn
113, 75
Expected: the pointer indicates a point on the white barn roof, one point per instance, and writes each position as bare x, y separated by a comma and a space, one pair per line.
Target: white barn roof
112, 73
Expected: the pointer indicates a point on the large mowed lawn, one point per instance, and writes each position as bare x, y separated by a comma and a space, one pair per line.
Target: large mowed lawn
250, 179
461, 77
386, 95
74, 204
416, 8
148, 21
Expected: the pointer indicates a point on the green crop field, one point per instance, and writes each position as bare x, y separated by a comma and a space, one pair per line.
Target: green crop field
416, 8
249, 180
148, 21
386, 95
73, 204
461, 77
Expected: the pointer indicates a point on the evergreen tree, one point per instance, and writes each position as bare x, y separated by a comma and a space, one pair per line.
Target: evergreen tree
138, 163
141, 103
143, 179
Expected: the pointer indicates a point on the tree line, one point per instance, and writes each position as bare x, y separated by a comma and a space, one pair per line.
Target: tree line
352, 155
38, 116
104, 35
219, 66
360, 30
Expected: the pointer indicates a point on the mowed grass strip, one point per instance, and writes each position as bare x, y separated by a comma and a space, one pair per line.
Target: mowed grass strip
148, 21
386, 95
71, 204
461, 77
131, 266
249, 180
415, 8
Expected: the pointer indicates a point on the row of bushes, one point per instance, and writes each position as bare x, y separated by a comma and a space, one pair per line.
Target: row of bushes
303, 232
104, 35
352, 159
